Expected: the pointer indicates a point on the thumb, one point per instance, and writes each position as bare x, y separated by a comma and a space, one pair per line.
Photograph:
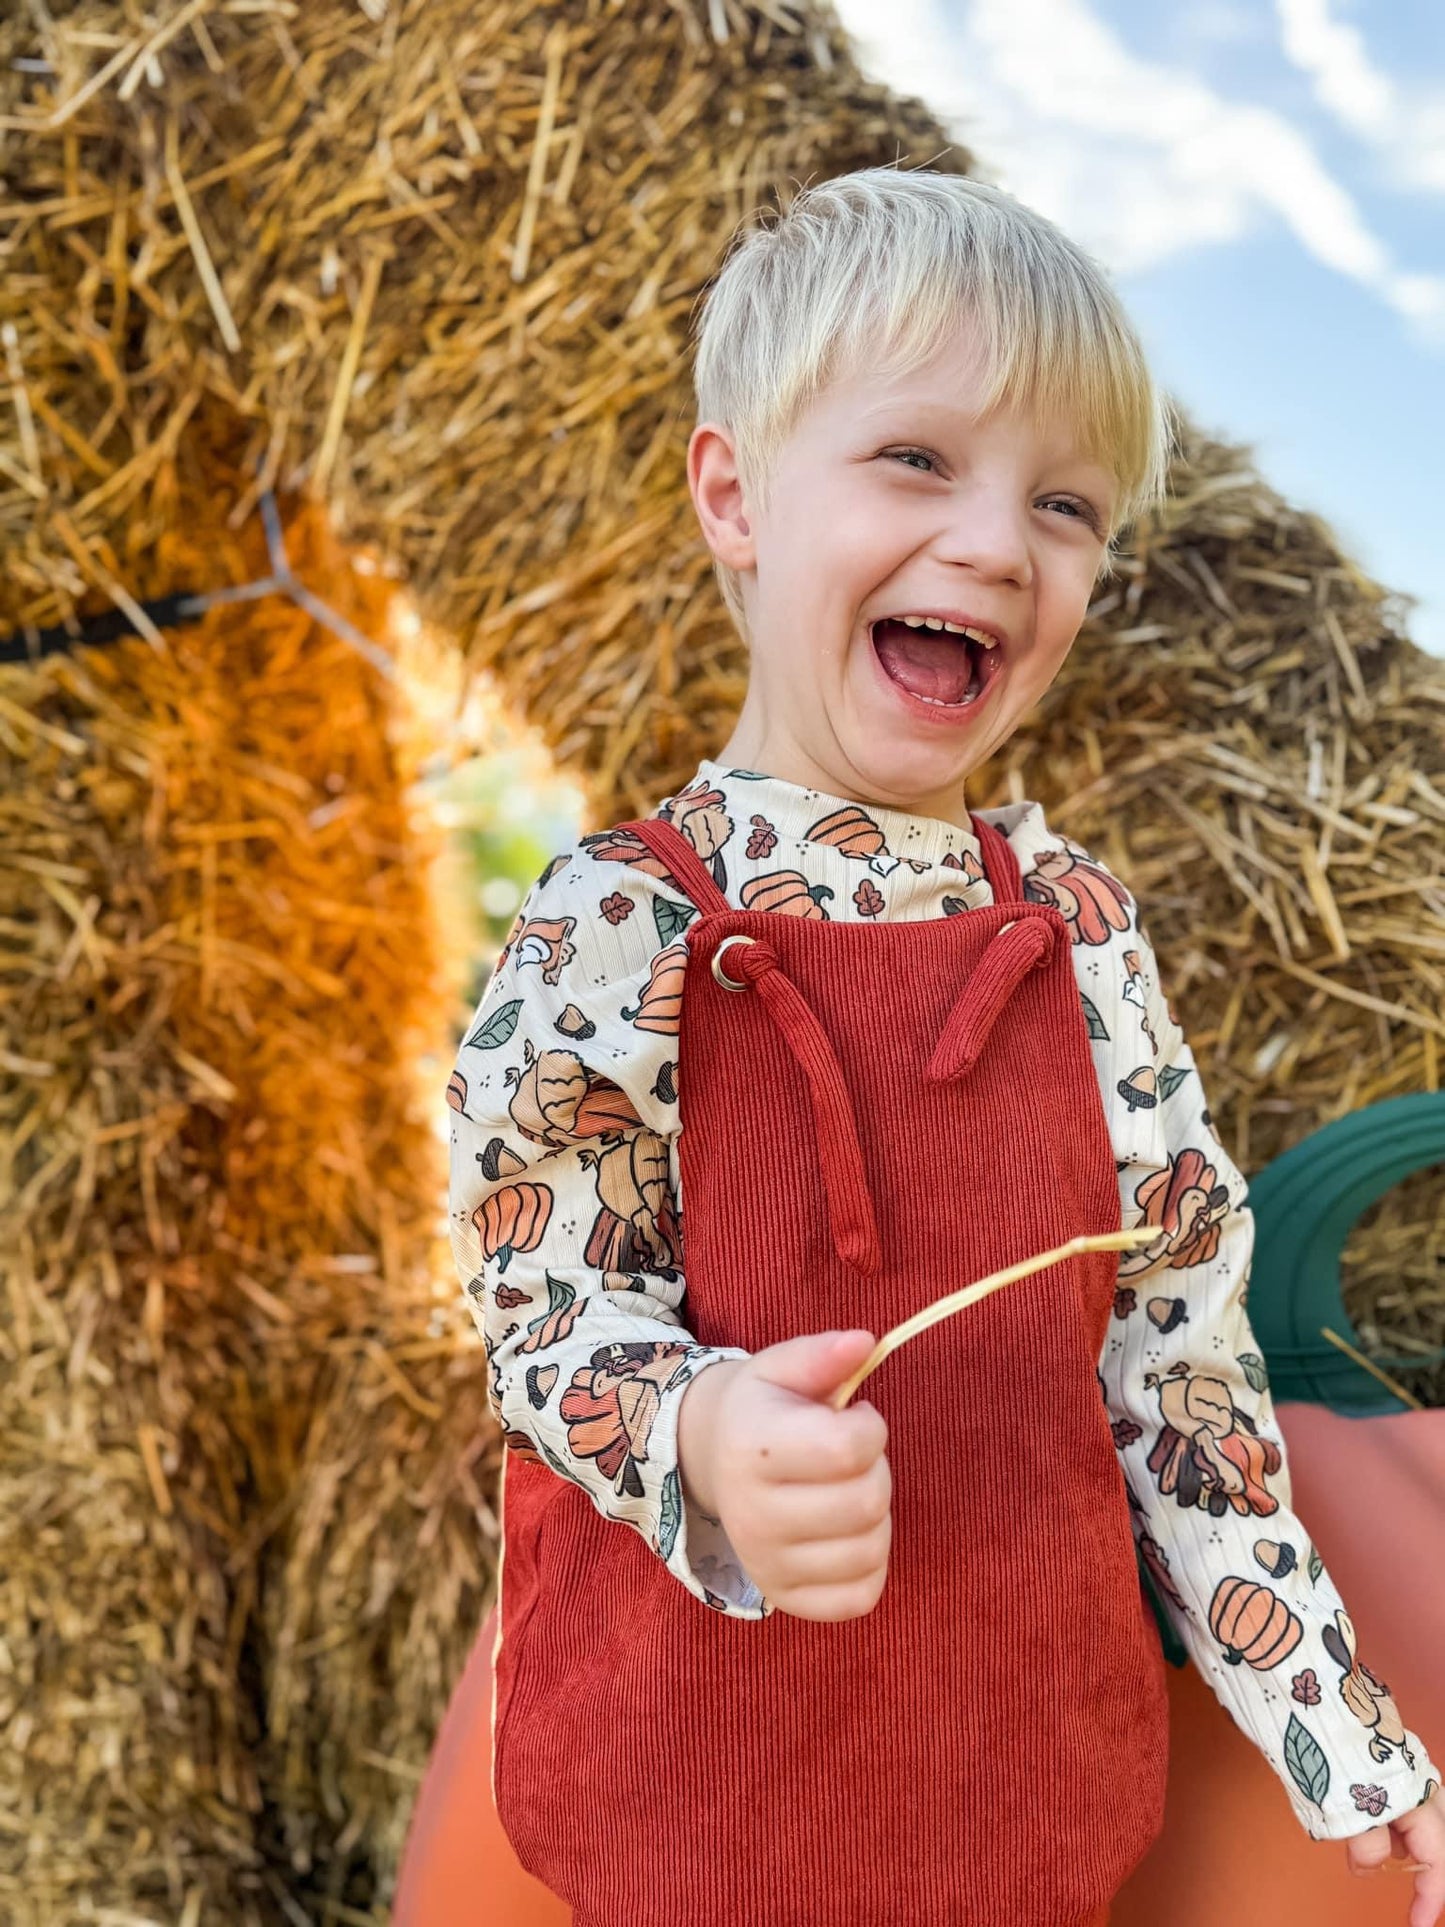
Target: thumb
816, 1364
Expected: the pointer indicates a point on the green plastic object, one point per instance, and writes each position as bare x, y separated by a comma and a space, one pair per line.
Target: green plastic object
1305, 1205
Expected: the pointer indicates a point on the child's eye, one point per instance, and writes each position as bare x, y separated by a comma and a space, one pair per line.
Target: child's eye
921, 454
1080, 511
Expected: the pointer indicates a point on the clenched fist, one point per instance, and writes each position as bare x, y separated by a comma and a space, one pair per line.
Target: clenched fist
802, 1491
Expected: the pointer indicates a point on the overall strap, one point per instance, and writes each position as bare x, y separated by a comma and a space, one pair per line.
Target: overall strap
999, 862
685, 868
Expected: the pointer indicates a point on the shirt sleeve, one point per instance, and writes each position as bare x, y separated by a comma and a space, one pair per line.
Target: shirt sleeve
565, 1205
1204, 1459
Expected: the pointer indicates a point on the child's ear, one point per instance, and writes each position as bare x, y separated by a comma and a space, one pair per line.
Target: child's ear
717, 496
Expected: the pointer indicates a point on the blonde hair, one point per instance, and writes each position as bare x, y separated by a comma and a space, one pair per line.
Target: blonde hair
880, 268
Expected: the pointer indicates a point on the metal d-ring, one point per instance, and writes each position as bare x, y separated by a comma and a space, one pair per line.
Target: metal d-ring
722, 976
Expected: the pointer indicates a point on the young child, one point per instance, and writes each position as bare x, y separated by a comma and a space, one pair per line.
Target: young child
762, 1074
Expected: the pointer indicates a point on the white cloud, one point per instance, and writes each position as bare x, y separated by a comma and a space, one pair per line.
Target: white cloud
1136, 159
1406, 126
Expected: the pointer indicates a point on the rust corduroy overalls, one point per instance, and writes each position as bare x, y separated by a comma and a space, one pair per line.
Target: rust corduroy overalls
872, 1115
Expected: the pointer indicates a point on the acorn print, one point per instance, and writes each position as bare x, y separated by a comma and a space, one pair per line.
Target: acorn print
540, 1380
572, 1023
665, 1088
1140, 1089
499, 1160
1167, 1313
1277, 1559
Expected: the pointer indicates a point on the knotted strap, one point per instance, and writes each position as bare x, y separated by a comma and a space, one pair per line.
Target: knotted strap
1019, 947
850, 1203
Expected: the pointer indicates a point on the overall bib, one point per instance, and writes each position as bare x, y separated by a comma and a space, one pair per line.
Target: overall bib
872, 1115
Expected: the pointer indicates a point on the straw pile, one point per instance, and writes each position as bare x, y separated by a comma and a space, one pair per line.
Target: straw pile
221, 1180
435, 267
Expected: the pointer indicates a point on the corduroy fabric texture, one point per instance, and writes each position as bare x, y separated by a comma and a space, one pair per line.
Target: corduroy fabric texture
976, 1750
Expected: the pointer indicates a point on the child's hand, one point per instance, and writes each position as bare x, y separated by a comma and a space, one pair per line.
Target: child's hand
1416, 1839
803, 1491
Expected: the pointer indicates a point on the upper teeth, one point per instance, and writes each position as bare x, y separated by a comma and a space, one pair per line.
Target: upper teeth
953, 628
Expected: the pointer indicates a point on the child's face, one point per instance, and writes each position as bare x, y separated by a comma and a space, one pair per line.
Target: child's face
892, 498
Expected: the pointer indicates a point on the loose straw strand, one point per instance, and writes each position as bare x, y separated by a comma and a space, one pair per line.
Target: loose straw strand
1138, 1234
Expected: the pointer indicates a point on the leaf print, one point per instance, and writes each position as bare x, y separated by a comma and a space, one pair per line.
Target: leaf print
1314, 1566
749, 775
1125, 1432
671, 918
1305, 1687
1170, 1078
1126, 1302
510, 1296
670, 1517
617, 906
1308, 1767
556, 1464
498, 1028
868, 899
1255, 1370
1370, 1799
1098, 1030
763, 838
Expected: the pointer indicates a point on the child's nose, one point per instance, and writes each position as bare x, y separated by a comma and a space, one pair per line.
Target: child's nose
989, 534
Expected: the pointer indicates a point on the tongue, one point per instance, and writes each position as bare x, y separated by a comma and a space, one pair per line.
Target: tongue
926, 662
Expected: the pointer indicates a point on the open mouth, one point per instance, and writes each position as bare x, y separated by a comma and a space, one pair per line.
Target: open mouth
947, 664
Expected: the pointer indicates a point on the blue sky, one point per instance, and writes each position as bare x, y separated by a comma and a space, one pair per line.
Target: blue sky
1265, 180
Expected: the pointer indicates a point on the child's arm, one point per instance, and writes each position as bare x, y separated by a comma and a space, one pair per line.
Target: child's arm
564, 1210
1205, 1464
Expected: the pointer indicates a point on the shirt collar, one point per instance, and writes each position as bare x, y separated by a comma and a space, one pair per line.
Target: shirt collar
796, 814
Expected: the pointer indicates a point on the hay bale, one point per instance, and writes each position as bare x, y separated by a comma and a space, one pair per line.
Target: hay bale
436, 267
221, 1182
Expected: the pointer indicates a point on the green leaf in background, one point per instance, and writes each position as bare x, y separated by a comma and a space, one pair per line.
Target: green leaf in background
1254, 1369
498, 1027
671, 918
1308, 1767
671, 1514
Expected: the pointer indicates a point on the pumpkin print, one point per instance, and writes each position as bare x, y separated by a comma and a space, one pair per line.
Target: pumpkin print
854, 832
543, 940
1093, 903
637, 1226
1253, 1624
511, 1220
1189, 1204
544, 1103
787, 891
660, 1006
1208, 1453
610, 1406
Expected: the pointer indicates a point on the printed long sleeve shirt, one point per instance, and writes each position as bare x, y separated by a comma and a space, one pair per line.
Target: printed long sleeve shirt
566, 1212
